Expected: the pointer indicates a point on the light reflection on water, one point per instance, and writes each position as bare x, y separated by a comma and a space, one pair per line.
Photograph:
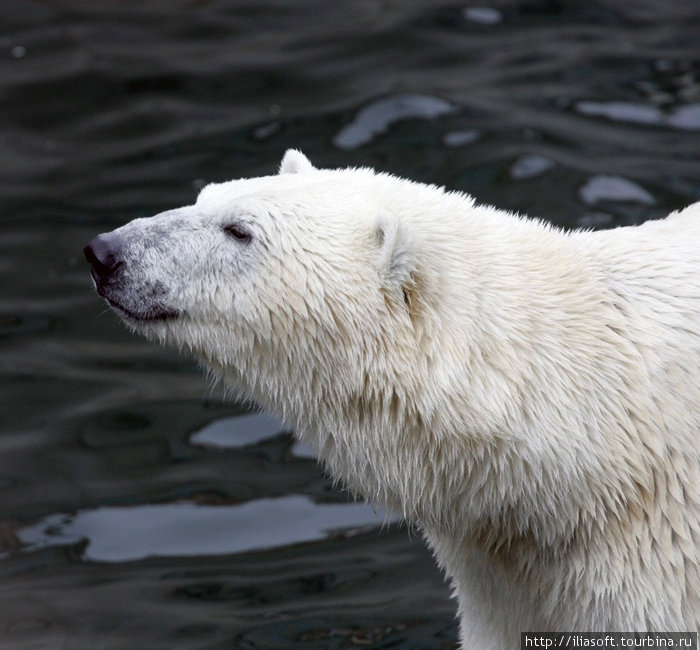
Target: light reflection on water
238, 431
125, 534
686, 118
613, 188
246, 429
375, 119
128, 533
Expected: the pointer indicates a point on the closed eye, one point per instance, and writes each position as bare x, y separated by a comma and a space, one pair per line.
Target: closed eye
235, 231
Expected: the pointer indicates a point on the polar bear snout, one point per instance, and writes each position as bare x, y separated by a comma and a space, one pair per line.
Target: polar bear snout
104, 255
124, 282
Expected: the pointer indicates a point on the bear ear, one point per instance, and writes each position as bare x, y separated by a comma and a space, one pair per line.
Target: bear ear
397, 258
295, 162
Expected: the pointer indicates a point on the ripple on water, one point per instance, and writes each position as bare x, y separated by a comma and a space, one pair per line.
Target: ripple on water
460, 138
16, 324
376, 117
129, 533
613, 188
530, 166
482, 15
686, 118
238, 431
245, 429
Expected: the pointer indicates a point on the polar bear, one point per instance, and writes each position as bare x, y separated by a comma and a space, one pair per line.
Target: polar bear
528, 397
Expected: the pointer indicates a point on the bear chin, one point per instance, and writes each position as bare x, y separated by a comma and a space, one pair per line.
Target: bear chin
152, 314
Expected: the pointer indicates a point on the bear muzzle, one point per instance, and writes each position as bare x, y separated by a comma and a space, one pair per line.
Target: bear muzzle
135, 298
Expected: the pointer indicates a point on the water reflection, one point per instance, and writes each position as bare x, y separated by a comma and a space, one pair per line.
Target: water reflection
613, 188
375, 118
238, 431
246, 429
461, 138
686, 118
530, 166
483, 15
125, 534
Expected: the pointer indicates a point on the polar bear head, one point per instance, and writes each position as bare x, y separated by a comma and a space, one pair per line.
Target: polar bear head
287, 286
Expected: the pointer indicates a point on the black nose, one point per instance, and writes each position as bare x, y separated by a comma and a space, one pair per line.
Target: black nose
104, 253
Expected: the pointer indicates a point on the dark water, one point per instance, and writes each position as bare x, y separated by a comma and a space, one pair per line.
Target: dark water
137, 508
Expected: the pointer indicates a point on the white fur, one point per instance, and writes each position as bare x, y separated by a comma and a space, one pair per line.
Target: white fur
529, 397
